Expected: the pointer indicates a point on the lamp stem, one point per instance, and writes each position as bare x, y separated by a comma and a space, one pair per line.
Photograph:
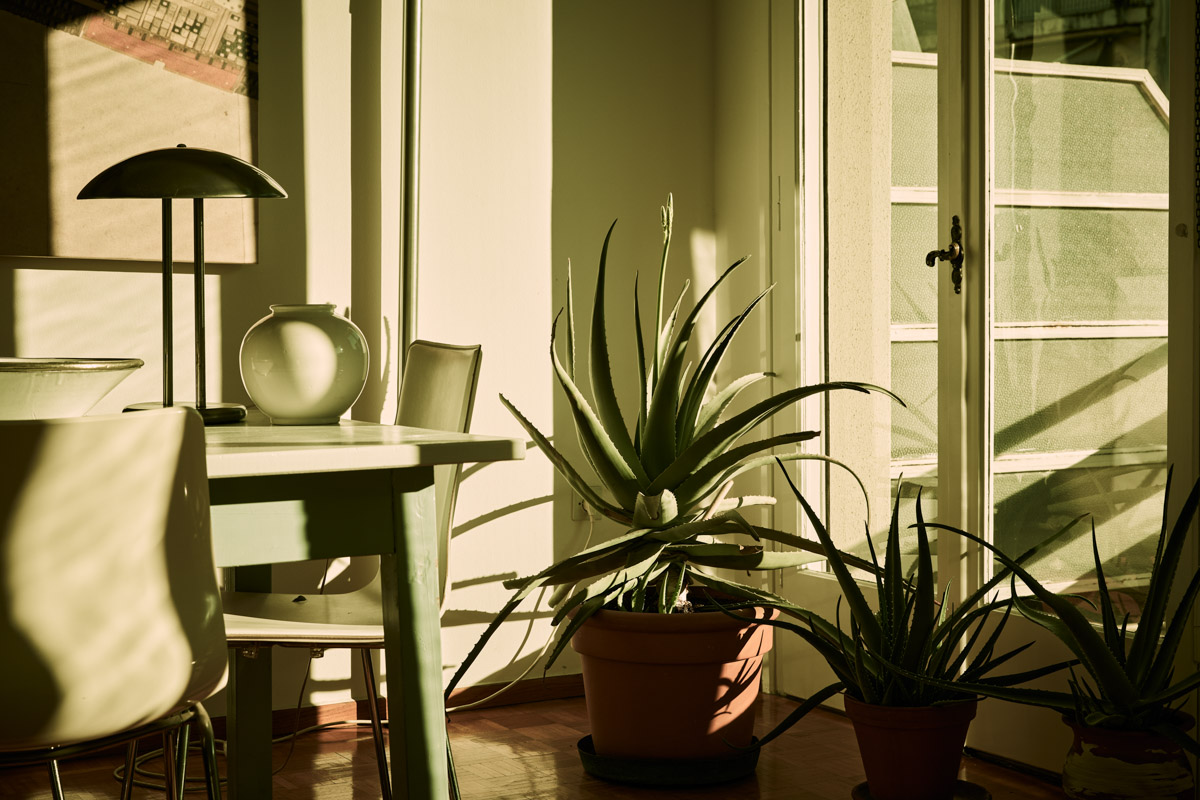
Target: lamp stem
167, 323
198, 292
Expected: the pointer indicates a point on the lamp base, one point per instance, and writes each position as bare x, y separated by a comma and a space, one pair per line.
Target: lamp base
212, 413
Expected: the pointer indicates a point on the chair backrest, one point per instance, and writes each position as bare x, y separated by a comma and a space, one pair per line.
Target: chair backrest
110, 615
438, 391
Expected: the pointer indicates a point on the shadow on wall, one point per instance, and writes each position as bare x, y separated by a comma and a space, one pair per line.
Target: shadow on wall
26, 47
25, 122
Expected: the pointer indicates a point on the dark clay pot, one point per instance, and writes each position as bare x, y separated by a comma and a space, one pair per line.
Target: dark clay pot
672, 686
1107, 764
911, 753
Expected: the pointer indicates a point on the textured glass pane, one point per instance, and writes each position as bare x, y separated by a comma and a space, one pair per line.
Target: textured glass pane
1065, 264
914, 126
914, 285
914, 379
1125, 503
1053, 133
1079, 394
914, 25
1058, 133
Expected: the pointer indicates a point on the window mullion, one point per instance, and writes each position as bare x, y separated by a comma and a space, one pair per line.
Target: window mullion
965, 137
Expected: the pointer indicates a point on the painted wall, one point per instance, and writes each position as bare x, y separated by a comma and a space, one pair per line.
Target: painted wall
486, 277
541, 124
529, 151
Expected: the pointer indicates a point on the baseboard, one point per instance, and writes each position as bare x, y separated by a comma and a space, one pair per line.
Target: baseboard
1043, 775
287, 720
533, 690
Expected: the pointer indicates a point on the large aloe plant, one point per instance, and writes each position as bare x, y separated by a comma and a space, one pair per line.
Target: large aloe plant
667, 474
911, 649
1128, 682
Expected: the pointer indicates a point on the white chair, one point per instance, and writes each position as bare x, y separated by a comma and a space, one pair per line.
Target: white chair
110, 615
437, 392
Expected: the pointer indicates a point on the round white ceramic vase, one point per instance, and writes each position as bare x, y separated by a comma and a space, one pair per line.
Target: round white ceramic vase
304, 364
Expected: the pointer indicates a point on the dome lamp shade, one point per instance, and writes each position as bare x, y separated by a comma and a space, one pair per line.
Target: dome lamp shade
182, 173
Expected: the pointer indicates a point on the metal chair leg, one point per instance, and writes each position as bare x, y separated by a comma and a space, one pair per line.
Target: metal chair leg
56, 789
181, 749
208, 746
385, 782
171, 783
130, 767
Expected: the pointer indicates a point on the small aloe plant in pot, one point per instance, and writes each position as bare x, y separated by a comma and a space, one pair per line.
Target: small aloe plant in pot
666, 471
909, 666
1131, 738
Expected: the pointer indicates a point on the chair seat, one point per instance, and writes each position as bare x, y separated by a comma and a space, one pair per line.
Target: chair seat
350, 619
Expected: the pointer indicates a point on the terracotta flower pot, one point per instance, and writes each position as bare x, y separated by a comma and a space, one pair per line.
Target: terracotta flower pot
672, 686
1107, 764
911, 753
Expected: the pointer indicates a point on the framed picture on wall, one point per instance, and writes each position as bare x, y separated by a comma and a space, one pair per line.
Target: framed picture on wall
88, 83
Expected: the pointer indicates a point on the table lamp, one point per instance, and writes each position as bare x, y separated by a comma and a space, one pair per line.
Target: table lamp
184, 172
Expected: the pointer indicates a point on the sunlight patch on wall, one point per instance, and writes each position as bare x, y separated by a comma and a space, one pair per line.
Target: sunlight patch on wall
78, 313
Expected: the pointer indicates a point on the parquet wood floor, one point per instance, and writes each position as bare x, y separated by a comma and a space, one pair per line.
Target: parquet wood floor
527, 752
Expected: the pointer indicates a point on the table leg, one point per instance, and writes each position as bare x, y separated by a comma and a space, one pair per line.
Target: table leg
248, 715
412, 633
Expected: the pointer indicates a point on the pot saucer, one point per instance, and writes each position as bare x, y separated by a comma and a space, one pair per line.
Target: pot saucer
667, 771
963, 790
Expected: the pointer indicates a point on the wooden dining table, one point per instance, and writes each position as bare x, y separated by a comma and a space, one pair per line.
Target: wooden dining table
292, 493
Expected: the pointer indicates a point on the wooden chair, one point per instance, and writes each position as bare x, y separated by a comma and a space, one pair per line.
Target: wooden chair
437, 392
110, 615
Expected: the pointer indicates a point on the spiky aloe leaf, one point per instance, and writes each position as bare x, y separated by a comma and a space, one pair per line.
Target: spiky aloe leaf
661, 331
892, 599
717, 440
689, 409
1165, 660
732, 463
599, 593
1003, 573
681, 531
1108, 618
608, 410
811, 702
1162, 578
1069, 625
683, 421
570, 324
710, 412
622, 477
655, 511
808, 545
492, 627
859, 609
565, 469
671, 587
1170, 694
754, 559
923, 614
600, 565
643, 376
658, 448
1042, 698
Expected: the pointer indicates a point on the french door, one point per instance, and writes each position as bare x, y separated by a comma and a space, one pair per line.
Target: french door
1032, 139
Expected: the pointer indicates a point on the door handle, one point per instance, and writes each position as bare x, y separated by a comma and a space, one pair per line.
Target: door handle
953, 254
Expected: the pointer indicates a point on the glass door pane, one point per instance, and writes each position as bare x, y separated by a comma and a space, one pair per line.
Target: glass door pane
914, 312
1080, 284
